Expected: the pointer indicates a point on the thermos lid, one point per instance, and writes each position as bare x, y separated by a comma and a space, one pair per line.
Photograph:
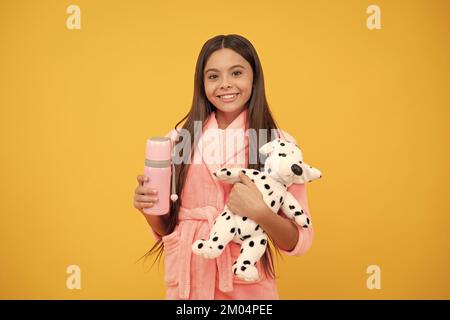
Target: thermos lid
159, 149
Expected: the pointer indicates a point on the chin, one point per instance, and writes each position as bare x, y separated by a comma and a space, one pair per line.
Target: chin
227, 108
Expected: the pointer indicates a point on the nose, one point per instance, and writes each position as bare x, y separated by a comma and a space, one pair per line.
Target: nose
296, 169
225, 83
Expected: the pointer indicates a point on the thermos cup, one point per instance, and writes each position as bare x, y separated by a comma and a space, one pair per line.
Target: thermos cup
159, 169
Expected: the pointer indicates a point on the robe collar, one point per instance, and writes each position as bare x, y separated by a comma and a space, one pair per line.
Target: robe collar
216, 146
240, 122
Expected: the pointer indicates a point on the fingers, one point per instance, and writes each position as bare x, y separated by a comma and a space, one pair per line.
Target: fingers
142, 198
141, 179
141, 189
142, 205
244, 178
247, 181
236, 187
142, 201
145, 191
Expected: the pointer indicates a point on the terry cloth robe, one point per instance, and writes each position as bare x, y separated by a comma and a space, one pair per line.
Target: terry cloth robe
189, 276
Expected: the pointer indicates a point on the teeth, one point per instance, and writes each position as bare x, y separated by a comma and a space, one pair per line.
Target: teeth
228, 96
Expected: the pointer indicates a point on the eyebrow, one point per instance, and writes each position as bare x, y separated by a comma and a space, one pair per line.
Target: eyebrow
236, 65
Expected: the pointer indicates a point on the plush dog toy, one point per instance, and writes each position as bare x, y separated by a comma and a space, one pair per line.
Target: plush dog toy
283, 166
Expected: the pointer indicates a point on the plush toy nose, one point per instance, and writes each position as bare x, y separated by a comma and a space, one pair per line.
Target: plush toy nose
297, 169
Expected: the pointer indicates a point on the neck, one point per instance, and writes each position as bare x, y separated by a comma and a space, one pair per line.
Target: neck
224, 119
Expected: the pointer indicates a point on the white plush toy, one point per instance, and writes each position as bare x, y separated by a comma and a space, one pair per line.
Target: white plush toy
284, 166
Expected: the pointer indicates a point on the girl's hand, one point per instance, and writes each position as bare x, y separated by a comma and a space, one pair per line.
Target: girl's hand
246, 200
144, 197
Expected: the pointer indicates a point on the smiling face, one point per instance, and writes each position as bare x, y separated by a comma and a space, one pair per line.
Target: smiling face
228, 80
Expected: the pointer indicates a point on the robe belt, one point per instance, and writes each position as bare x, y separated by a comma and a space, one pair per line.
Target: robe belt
223, 262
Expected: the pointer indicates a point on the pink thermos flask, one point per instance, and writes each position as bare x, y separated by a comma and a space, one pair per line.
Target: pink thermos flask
159, 168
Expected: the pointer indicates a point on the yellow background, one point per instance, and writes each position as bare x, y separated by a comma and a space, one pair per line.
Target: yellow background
370, 108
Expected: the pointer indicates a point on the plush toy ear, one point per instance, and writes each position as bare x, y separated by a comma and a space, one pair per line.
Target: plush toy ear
309, 174
267, 148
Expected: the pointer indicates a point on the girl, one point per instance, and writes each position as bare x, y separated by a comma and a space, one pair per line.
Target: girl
229, 95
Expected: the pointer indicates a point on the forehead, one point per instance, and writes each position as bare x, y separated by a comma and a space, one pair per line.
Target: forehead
223, 59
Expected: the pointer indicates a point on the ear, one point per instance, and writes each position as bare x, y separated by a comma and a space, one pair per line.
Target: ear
267, 148
309, 174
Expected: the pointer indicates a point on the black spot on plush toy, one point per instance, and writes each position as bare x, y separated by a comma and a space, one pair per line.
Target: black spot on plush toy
284, 166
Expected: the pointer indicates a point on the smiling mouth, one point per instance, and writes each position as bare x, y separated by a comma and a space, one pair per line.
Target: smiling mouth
227, 94
228, 97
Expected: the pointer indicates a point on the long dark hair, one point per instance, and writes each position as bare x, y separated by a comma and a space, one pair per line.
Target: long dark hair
259, 117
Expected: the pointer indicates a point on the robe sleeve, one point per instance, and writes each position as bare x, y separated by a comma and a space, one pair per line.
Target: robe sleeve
305, 235
172, 135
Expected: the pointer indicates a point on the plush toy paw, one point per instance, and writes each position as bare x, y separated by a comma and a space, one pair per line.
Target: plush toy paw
207, 249
246, 272
230, 175
302, 219
223, 173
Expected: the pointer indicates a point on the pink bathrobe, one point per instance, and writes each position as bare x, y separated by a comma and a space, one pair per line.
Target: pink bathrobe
188, 276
